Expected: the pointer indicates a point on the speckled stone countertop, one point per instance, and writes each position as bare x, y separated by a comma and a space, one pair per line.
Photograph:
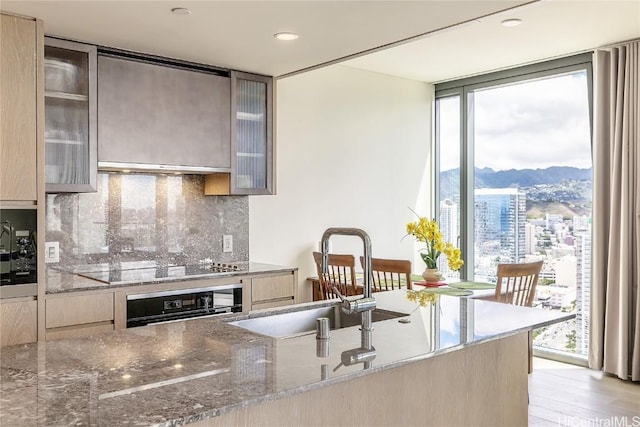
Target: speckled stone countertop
64, 281
175, 373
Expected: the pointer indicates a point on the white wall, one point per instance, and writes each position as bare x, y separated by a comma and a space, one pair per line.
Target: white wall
353, 150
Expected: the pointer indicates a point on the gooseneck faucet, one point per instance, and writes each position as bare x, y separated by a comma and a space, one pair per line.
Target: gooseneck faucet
367, 303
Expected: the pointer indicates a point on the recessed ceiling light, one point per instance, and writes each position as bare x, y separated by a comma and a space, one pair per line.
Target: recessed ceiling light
181, 11
285, 36
511, 22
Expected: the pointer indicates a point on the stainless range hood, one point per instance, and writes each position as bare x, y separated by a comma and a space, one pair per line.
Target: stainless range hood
162, 116
157, 168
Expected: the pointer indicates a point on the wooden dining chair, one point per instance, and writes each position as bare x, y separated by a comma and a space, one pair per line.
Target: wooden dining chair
517, 285
340, 273
389, 274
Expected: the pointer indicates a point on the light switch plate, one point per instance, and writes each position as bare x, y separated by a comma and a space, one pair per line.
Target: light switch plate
227, 243
51, 252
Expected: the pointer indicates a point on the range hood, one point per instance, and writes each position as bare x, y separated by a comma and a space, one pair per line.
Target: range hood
162, 117
157, 168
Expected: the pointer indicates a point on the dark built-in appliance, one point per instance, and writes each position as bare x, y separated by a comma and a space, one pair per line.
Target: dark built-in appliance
18, 247
164, 306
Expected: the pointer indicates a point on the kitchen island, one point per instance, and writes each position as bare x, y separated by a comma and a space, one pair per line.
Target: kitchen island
458, 361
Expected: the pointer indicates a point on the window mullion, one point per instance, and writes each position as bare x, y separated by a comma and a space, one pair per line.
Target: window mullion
466, 183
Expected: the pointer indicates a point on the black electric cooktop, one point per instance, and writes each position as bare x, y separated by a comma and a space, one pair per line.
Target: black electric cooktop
152, 274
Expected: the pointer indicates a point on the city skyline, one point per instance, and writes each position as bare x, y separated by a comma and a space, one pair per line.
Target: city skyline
563, 245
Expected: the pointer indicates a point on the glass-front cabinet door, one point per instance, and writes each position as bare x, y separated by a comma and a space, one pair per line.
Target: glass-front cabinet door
70, 116
251, 134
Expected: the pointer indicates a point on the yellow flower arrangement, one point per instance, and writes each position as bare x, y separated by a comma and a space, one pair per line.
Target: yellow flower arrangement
423, 298
427, 231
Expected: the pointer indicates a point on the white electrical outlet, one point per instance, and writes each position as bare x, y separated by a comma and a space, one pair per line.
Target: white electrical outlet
51, 252
227, 243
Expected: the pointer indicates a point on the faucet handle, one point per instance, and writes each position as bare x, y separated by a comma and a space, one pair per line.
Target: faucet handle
337, 292
357, 306
346, 304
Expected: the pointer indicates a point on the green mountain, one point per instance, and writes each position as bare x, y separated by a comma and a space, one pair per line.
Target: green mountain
558, 189
516, 178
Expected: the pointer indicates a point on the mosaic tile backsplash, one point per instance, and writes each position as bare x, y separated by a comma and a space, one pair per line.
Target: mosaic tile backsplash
150, 219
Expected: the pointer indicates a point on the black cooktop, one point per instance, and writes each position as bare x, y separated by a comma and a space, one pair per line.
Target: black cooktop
151, 274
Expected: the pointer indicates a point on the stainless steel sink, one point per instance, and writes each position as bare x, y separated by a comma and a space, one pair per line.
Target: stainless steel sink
304, 321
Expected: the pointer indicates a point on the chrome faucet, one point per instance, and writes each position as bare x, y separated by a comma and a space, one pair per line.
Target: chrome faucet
367, 303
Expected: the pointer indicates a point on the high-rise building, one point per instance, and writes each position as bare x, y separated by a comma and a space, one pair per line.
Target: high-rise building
583, 294
449, 221
500, 218
581, 223
566, 271
553, 219
530, 240
450, 230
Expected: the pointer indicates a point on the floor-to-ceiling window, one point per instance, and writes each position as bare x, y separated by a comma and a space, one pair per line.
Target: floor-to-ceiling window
513, 161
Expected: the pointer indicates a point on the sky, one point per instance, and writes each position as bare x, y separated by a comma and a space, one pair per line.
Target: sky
530, 125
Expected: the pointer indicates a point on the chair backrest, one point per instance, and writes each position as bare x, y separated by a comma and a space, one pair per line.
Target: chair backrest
340, 273
517, 283
389, 274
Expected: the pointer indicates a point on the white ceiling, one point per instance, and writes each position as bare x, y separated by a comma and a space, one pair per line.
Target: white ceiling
549, 29
432, 40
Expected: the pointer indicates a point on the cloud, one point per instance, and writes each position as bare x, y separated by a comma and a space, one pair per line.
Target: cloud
533, 124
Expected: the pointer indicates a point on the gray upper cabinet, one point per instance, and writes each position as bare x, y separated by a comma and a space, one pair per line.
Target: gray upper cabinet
70, 116
158, 116
251, 134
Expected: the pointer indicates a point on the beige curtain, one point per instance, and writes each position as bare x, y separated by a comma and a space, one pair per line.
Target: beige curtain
615, 294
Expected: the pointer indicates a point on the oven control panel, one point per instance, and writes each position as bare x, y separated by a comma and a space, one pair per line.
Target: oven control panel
173, 304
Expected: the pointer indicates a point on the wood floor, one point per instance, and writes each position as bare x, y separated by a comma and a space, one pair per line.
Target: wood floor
568, 395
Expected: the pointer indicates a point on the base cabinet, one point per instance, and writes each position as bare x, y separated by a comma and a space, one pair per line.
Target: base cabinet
273, 291
78, 315
18, 321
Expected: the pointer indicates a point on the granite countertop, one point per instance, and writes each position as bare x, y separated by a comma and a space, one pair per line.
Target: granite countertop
96, 278
175, 373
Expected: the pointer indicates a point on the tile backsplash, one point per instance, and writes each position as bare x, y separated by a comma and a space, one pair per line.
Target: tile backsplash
157, 219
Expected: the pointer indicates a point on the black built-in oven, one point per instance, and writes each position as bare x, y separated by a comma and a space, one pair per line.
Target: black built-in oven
164, 306
18, 246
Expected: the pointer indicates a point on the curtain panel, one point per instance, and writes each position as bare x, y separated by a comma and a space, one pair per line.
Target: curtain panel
615, 296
